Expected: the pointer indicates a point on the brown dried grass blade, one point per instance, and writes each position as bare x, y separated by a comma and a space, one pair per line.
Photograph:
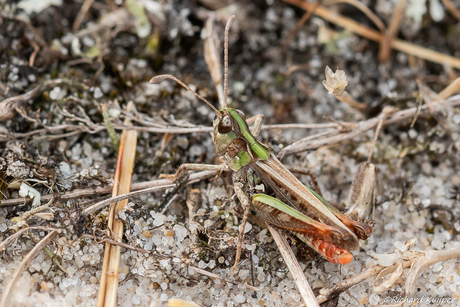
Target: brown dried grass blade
213, 60
366, 11
8, 291
293, 265
374, 35
451, 8
123, 175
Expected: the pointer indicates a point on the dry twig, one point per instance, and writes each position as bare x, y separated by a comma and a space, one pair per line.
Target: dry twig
359, 128
392, 32
8, 291
215, 276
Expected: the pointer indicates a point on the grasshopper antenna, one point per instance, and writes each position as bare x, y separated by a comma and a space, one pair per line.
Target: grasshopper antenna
159, 78
227, 28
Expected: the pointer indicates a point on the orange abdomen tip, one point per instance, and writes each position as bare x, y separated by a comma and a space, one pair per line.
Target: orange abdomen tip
344, 258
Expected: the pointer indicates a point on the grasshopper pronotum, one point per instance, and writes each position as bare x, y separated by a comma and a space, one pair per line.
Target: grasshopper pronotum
296, 207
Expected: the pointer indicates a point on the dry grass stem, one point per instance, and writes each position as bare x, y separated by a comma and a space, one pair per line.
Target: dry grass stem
366, 11
293, 265
392, 32
113, 242
451, 8
8, 291
450, 89
301, 22
215, 276
125, 196
213, 60
81, 14
374, 35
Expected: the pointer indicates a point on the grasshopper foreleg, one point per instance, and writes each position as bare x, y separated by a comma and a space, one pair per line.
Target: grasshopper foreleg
196, 167
238, 185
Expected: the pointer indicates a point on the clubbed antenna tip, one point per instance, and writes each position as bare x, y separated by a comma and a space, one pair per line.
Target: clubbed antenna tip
158, 79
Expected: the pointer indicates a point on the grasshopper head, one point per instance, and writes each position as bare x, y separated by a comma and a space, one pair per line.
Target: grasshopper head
227, 128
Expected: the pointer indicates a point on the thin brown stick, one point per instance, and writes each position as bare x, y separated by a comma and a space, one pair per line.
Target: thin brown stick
392, 32
215, 276
374, 35
359, 128
212, 58
301, 22
113, 242
81, 14
293, 265
118, 198
450, 89
366, 11
451, 8
8, 291
327, 294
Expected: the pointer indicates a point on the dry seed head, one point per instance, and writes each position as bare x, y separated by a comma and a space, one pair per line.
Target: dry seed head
336, 82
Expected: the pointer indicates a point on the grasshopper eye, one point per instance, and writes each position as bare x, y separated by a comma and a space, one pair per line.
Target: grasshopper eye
225, 125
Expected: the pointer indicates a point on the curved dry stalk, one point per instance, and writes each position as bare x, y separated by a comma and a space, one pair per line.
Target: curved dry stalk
395, 271
8, 291
20, 232
423, 262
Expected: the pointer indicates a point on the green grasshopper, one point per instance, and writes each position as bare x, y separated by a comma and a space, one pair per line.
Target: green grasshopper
296, 207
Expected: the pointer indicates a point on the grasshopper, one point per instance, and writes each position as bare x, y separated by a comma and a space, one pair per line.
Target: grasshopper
296, 207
